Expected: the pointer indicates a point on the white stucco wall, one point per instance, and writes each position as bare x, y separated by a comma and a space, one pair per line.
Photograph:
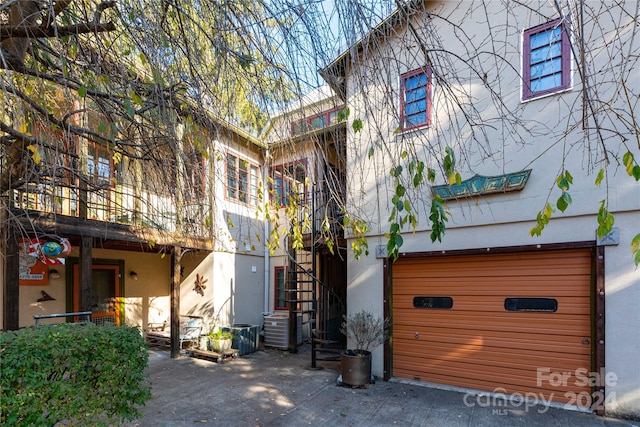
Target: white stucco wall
622, 317
538, 135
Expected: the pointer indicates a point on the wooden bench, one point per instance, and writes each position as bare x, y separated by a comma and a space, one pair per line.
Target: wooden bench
159, 334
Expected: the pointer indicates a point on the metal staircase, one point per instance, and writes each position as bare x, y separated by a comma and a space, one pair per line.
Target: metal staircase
308, 296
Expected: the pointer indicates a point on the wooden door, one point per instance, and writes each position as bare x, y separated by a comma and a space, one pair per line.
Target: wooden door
104, 296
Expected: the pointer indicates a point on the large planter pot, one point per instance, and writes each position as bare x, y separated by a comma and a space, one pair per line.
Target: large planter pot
203, 343
355, 367
220, 345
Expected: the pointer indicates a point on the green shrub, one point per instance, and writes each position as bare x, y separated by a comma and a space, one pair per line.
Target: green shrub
77, 374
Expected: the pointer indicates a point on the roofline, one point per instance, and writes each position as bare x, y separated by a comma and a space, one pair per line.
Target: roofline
388, 22
242, 133
307, 135
223, 122
267, 129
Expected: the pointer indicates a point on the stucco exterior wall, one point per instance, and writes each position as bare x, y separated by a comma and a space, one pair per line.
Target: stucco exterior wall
537, 135
234, 290
29, 295
147, 299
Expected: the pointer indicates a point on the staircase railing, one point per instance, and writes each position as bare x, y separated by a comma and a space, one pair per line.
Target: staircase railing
303, 299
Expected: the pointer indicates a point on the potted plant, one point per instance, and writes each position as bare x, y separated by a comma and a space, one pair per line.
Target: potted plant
220, 341
367, 332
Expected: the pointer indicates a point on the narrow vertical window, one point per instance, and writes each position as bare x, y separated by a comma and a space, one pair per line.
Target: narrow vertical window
280, 300
254, 185
243, 182
415, 105
546, 62
232, 177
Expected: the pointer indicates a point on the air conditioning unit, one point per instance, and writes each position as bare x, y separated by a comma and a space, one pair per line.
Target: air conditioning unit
276, 330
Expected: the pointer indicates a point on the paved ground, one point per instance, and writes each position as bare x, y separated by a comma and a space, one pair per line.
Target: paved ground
276, 388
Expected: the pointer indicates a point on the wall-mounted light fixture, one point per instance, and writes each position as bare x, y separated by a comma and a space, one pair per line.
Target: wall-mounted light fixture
54, 274
133, 275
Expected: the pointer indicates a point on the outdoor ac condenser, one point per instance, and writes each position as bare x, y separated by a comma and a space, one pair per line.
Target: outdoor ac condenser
276, 330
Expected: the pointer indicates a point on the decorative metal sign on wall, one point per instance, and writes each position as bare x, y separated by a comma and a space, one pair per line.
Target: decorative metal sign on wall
479, 185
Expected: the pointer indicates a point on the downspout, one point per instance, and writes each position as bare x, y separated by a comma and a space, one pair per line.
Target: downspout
267, 231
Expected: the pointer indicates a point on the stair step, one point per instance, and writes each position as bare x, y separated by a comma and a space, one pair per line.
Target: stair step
329, 350
303, 312
329, 359
323, 341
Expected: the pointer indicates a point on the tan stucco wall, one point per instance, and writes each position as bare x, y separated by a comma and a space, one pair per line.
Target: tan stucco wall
29, 295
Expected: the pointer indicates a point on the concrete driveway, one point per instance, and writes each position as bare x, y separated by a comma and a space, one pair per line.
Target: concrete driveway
276, 388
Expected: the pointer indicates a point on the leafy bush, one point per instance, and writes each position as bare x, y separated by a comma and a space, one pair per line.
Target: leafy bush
221, 335
80, 374
366, 330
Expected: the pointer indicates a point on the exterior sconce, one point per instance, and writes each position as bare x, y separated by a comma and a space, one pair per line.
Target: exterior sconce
54, 274
133, 275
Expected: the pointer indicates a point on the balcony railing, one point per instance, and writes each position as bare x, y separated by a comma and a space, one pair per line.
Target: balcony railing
117, 205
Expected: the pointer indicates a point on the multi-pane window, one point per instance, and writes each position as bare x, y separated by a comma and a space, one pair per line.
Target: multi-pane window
318, 121
288, 182
416, 99
546, 59
100, 172
280, 293
243, 180
99, 165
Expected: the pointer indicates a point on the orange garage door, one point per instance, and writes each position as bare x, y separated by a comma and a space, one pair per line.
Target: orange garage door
514, 323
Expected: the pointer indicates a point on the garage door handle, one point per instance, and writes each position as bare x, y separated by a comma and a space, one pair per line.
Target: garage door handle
585, 341
417, 335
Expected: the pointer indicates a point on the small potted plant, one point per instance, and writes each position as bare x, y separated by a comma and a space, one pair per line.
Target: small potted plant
220, 341
367, 332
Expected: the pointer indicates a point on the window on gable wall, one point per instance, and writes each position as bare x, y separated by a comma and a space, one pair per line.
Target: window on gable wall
416, 99
287, 182
546, 59
243, 180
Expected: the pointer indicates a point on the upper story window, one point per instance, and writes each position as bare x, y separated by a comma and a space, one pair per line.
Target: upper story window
318, 121
416, 99
195, 178
287, 182
243, 180
546, 59
99, 165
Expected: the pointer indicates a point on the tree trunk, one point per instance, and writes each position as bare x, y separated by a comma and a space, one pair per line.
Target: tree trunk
11, 278
22, 13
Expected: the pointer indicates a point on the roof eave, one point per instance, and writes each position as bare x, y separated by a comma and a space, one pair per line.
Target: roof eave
335, 72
